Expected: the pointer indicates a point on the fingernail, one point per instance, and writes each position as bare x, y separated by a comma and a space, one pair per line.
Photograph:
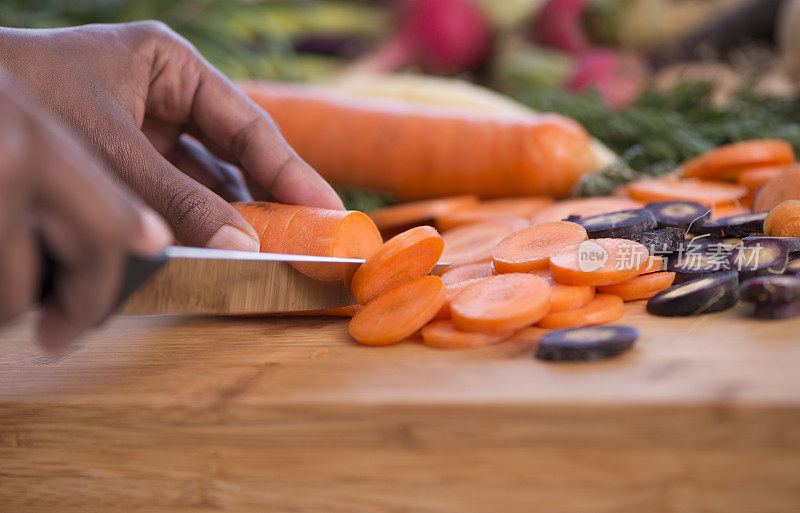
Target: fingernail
155, 233
229, 237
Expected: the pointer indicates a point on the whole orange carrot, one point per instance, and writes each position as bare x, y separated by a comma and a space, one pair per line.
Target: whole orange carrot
415, 152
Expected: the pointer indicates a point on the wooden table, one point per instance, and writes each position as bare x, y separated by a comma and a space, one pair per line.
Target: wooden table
183, 414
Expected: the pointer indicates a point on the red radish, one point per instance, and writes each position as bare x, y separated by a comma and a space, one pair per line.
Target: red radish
441, 36
617, 77
559, 25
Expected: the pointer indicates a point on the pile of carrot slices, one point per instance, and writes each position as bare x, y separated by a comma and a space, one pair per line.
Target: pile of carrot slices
521, 262
728, 179
531, 276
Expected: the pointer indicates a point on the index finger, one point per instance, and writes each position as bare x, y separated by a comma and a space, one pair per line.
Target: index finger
230, 120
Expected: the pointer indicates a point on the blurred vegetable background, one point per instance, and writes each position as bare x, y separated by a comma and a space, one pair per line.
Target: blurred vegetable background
658, 81
283, 40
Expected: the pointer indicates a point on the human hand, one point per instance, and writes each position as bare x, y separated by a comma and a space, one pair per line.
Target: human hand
134, 91
54, 192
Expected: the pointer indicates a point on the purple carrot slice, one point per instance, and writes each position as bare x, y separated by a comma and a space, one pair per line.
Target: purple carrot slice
589, 343
712, 293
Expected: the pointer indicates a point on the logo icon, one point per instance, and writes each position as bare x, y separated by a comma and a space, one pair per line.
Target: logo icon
591, 256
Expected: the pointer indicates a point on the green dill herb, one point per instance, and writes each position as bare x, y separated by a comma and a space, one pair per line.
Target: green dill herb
663, 129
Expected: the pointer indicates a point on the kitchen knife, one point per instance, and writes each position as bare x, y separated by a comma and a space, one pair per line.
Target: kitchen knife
220, 282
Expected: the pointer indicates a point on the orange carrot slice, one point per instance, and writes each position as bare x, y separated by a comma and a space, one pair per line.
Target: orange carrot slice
488, 210
783, 220
755, 177
604, 308
640, 287
445, 335
731, 209
565, 297
403, 258
599, 262
530, 248
654, 264
312, 231
417, 212
725, 161
475, 242
502, 303
451, 291
584, 207
785, 186
397, 314
705, 192
467, 272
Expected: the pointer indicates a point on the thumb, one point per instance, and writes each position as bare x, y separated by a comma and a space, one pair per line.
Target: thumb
197, 216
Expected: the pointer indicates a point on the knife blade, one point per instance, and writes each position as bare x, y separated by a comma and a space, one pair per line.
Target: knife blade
204, 281
220, 282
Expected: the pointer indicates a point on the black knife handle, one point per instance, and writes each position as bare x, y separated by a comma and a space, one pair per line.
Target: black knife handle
137, 271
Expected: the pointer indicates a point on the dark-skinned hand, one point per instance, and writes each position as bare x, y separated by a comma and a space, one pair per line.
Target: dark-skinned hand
53, 191
134, 92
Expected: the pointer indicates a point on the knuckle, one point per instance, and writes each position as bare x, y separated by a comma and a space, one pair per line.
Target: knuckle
242, 140
159, 33
280, 170
186, 206
152, 28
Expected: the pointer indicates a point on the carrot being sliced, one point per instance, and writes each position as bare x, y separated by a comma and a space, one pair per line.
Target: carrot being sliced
565, 297
725, 161
445, 335
640, 287
417, 212
599, 262
475, 242
584, 207
529, 249
604, 308
783, 220
488, 210
403, 258
312, 231
502, 303
399, 313
705, 192
785, 186
467, 272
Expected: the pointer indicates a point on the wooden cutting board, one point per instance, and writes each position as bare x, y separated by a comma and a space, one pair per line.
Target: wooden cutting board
176, 414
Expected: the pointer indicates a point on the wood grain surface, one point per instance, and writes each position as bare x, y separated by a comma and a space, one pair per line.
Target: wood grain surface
178, 414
